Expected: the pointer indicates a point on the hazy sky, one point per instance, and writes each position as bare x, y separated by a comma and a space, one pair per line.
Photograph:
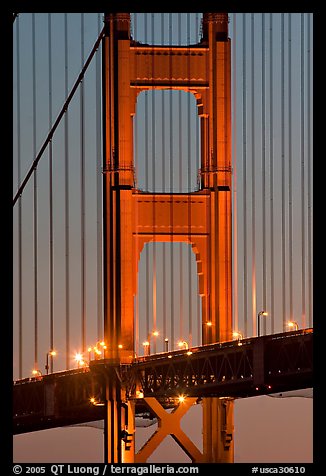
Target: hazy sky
267, 429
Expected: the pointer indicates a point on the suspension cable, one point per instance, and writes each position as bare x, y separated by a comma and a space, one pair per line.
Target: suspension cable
50, 193
35, 205
171, 188
137, 324
146, 188
20, 298
163, 96
199, 326
283, 166
189, 154
253, 175
263, 188
82, 195
234, 162
271, 169
309, 172
99, 190
153, 186
244, 145
67, 216
181, 331
290, 166
303, 255
57, 121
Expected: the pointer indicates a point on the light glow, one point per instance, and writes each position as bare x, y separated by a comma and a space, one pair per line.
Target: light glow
293, 324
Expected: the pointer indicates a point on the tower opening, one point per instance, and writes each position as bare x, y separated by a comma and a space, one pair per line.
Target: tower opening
167, 307
166, 142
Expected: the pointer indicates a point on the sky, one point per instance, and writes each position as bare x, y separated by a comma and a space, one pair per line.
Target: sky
276, 432
266, 430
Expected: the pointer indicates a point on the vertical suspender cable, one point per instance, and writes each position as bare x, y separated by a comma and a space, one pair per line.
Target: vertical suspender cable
290, 167
66, 172
271, 169
51, 190
99, 188
235, 317
146, 188
82, 194
253, 175
35, 216
171, 190
181, 331
244, 145
163, 189
206, 156
283, 177
137, 324
309, 165
20, 301
303, 255
263, 121
199, 326
190, 285
154, 191
57, 121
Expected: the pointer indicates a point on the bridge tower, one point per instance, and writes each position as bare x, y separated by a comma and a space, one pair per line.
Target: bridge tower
133, 218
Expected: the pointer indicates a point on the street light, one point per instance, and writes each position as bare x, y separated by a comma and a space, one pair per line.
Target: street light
147, 348
97, 349
166, 343
51, 353
183, 343
79, 359
239, 336
36, 373
261, 313
293, 324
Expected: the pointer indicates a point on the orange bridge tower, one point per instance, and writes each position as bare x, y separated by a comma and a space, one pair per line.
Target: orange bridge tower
133, 218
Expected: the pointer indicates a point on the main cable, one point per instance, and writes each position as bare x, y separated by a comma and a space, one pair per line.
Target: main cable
57, 121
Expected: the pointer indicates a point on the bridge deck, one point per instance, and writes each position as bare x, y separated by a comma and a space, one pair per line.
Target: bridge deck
237, 369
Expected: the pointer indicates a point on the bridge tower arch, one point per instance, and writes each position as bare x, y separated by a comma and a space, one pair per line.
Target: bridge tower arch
133, 217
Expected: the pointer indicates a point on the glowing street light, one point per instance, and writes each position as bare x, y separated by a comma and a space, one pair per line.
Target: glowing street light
293, 324
238, 336
36, 373
51, 353
94, 402
261, 313
99, 348
79, 359
183, 344
147, 348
